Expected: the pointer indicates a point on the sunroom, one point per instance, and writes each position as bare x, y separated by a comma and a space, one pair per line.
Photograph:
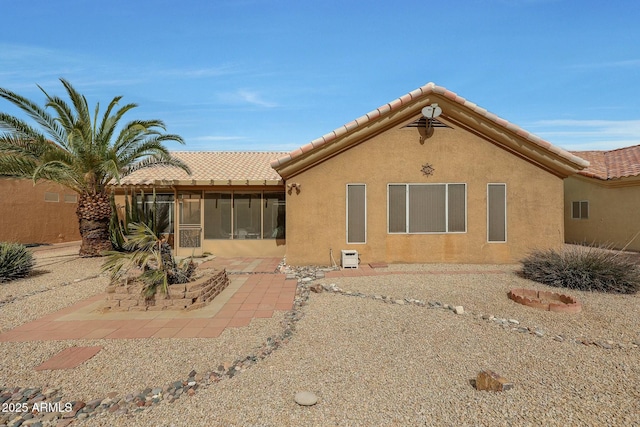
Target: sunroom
233, 203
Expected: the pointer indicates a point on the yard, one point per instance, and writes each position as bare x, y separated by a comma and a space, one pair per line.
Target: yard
370, 361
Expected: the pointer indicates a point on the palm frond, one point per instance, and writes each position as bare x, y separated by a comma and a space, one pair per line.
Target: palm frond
17, 166
59, 172
12, 144
79, 102
71, 147
154, 162
37, 113
18, 127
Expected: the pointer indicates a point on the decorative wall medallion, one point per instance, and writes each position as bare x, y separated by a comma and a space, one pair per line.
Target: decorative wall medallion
427, 169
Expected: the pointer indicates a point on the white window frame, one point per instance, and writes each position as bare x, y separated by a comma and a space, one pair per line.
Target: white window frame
580, 202
347, 213
506, 228
446, 213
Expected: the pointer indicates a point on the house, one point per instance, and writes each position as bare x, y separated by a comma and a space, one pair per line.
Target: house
602, 202
396, 186
428, 177
41, 213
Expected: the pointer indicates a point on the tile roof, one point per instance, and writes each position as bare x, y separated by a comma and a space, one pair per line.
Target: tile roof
612, 164
429, 88
223, 167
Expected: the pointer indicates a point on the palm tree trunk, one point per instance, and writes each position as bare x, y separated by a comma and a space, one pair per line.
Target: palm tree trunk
94, 214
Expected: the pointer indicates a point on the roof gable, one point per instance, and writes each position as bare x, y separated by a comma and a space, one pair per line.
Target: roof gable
455, 109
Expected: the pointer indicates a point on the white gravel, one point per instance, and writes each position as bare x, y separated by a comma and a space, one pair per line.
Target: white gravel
373, 363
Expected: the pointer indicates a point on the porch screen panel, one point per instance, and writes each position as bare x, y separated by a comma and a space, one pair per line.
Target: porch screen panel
496, 212
217, 215
457, 208
397, 208
356, 213
189, 220
427, 209
246, 216
273, 224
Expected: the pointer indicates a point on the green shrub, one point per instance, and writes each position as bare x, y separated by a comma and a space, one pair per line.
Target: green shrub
583, 268
15, 261
147, 251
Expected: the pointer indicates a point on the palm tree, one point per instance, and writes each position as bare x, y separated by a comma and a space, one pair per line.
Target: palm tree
81, 152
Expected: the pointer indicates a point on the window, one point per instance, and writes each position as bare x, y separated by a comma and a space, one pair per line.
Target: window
580, 210
163, 210
217, 217
71, 198
189, 209
246, 216
236, 215
427, 208
356, 213
497, 213
51, 197
273, 217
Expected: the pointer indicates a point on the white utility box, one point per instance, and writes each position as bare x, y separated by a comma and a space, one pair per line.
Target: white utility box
349, 259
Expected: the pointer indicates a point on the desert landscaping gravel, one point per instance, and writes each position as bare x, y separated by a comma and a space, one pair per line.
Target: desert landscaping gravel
371, 353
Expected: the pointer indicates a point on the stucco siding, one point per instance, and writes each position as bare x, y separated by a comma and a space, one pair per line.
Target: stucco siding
614, 217
25, 216
316, 216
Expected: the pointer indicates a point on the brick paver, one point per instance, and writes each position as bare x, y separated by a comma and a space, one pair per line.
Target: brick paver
69, 358
248, 296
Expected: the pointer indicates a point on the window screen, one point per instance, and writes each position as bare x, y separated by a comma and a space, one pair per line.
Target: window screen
356, 213
217, 215
496, 212
51, 197
580, 210
428, 208
457, 208
273, 216
397, 208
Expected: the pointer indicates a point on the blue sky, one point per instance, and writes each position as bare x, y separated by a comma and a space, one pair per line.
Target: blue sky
274, 75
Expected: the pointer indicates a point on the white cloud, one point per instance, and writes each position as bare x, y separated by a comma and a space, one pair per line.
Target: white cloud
576, 135
627, 63
221, 70
249, 97
255, 98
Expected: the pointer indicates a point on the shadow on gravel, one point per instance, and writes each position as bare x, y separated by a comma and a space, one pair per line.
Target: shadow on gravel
36, 273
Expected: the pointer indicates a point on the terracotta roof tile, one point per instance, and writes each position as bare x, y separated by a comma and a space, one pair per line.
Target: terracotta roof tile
416, 94
208, 166
612, 164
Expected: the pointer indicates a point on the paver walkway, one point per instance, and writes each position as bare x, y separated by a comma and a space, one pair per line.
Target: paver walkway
248, 296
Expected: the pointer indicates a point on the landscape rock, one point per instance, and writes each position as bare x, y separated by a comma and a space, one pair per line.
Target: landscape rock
491, 381
317, 288
306, 398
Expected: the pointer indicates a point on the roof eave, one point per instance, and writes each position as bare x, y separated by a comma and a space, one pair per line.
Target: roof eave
456, 109
625, 181
203, 183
